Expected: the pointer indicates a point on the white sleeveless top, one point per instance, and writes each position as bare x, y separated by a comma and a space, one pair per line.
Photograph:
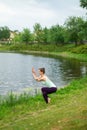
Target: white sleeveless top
48, 83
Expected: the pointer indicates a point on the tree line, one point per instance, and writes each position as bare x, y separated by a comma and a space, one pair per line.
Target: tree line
74, 31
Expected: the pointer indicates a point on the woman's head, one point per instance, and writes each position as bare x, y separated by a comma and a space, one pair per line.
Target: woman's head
42, 70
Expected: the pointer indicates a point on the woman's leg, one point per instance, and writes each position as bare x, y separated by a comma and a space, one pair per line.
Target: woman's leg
46, 91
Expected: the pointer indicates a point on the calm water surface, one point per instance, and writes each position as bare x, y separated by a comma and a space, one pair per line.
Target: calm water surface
16, 76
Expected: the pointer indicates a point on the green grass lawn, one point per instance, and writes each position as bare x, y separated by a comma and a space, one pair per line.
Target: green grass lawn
67, 111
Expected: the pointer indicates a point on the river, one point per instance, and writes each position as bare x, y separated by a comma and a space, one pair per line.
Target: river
16, 75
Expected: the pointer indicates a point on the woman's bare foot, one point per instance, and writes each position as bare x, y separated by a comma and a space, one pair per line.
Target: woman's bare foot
49, 100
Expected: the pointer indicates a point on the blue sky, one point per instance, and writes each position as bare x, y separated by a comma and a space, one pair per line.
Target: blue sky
19, 14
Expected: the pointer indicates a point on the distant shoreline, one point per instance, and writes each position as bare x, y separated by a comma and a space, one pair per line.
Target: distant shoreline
82, 57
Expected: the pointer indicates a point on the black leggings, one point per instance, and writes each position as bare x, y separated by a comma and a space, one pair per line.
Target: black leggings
46, 91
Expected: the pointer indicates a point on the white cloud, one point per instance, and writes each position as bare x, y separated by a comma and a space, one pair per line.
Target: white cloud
5, 13
4, 9
25, 13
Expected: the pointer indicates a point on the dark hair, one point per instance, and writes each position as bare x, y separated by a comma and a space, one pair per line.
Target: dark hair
42, 70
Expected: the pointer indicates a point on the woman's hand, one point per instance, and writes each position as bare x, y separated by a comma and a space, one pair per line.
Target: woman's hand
34, 74
33, 70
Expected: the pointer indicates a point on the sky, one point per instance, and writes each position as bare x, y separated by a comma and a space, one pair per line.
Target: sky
20, 14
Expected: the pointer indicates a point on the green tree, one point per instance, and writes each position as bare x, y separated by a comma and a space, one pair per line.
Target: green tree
4, 33
17, 38
85, 30
26, 36
56, 34
38, 33
83, 3
45, 35
75, 29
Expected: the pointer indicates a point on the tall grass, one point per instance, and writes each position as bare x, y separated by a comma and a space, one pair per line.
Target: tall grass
12, 99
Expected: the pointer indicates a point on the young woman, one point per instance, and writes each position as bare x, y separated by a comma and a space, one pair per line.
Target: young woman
49, 86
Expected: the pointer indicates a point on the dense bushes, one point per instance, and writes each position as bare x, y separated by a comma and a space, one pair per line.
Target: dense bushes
80, 49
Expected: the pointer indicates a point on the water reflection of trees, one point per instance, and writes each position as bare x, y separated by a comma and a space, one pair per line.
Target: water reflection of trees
73, 69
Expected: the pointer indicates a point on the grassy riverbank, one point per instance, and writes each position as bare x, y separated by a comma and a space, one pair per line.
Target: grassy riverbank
67, 51
67, 110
